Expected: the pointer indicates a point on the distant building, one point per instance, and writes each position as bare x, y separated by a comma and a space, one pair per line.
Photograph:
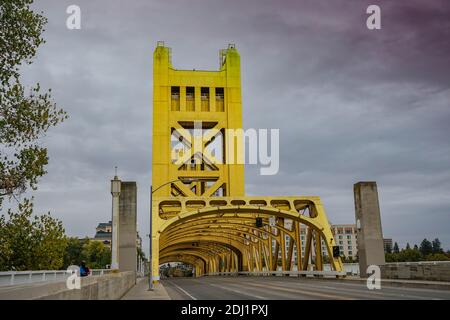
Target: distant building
346, 238
344, 235
387, 242
103, 233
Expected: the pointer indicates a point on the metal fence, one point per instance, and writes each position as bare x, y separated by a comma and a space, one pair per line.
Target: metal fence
10, 278
280, 273
350, 269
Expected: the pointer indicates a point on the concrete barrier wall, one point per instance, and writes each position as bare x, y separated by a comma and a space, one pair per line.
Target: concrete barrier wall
107, 287
431, 271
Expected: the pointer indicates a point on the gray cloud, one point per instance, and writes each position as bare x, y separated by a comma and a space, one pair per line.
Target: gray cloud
351, 104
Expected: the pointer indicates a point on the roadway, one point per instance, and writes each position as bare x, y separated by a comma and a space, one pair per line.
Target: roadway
289, 288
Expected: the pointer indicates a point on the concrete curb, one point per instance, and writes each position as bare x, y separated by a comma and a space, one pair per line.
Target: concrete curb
140, 292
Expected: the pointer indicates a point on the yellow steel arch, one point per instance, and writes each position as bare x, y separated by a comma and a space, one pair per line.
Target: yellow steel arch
260, 246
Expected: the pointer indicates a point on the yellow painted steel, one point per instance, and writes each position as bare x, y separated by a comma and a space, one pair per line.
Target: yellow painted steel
201, 215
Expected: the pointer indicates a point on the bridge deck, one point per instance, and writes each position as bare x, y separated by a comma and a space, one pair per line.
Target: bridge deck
284, 288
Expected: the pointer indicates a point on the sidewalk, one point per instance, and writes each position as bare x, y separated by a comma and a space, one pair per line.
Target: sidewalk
140, 291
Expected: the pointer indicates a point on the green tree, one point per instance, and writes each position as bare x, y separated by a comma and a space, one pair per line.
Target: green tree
24, 117
409, 255
391, 257
408, 246
388, 248
416, 247
140, 253
31, 243
396, 249
96, 254
426, 247
436, 246
437, 257
73, 252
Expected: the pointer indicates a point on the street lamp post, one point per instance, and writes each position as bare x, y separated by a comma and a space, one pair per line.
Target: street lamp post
150, 277
115, 191
150, 269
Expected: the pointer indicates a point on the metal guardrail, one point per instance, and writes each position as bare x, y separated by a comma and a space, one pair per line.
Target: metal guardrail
10, 278
349, 269
417, 263
280, 273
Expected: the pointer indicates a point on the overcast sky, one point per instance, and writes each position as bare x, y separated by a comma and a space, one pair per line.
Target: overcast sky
352, 104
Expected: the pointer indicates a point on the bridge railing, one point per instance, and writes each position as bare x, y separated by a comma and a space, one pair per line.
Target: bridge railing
10, 278
281, 273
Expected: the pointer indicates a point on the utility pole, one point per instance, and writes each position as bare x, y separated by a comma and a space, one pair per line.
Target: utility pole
150, 269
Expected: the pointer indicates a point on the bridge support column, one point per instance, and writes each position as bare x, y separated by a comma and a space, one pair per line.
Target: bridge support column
283, 249
298, 245
307, 248
318, 247
289, 255
127, 228
275, 256
368, 225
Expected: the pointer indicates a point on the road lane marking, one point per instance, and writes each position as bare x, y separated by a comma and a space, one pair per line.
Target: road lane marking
316, 294
184, 291
363, 293
239, 292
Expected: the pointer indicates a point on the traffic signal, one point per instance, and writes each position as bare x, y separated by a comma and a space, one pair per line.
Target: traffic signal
336, 252
259, 222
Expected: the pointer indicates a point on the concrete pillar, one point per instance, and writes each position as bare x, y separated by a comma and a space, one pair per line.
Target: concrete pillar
127, 226
368, 225
155, 258
115, 192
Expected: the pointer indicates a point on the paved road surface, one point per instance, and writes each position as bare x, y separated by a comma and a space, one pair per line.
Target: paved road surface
284, 288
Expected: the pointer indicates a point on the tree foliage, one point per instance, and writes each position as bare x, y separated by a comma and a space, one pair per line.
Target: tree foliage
388, 248
96, 254
436, 246
31, 243
72, 255
140, 253
25, 114
396, 249
406, 255
426, 247
428, 251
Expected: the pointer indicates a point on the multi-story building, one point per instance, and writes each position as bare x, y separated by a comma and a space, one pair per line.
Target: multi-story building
103, 233
345, 236
387, 243
346, 239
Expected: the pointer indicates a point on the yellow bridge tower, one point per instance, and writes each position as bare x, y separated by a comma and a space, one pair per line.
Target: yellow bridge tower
200, 214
